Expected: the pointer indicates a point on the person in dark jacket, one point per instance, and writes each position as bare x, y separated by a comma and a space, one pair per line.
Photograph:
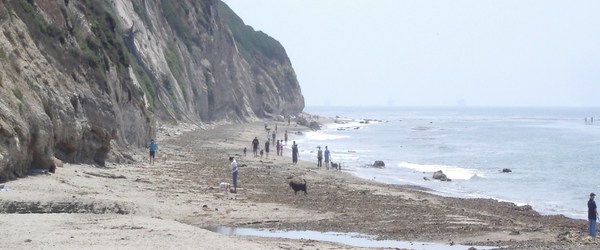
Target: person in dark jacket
592, 215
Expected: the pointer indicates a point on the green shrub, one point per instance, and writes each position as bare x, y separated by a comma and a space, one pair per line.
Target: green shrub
37, 25
211, 96
174, 11
176, 66
47, 110
142, 13
147, 85
18, 94
209, 89
259, 89
168, 85
9, 37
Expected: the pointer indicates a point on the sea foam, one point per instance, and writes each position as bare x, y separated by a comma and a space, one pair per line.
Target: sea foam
320, 136
453, 172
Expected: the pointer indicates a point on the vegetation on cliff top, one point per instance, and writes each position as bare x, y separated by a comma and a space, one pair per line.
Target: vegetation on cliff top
249, 40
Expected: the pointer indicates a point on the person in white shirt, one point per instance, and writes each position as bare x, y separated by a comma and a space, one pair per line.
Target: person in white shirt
234, 172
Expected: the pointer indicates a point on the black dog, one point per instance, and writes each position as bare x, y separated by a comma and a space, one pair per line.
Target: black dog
298, 187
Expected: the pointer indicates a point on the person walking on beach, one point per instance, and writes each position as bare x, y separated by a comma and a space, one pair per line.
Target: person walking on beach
267, 144
278, 147
274, 136
294, 153
592, 215
234, 173
327, 157
152, 147
255, 146
319, 157
285, 137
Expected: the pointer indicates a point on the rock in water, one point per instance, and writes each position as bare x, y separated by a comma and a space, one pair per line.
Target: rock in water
378, 164
439, 175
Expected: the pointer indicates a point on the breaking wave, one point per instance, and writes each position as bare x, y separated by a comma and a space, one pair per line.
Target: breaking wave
453, 172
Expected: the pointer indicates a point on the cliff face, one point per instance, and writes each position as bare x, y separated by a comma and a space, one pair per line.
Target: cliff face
80, 77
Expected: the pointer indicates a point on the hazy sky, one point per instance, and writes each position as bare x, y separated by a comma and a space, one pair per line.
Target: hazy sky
437, 53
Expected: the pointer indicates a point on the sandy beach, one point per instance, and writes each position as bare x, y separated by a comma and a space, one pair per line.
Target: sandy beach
133, 204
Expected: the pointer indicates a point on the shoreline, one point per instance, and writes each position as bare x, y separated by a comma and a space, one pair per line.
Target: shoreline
180, 195
413, 171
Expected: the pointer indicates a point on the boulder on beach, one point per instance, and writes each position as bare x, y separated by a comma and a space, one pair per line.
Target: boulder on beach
378, 164
314, 126
439, 175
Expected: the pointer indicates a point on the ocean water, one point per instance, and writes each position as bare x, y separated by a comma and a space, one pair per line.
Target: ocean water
553, 153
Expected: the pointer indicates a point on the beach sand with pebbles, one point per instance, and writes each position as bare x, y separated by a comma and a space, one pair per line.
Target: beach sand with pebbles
168, 205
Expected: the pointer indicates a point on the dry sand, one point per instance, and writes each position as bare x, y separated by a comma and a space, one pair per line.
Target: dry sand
167, 205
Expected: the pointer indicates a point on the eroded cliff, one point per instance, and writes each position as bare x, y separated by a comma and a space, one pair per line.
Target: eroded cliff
80, 77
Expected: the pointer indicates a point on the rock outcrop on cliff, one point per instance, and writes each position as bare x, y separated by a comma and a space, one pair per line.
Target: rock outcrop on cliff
79, 76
